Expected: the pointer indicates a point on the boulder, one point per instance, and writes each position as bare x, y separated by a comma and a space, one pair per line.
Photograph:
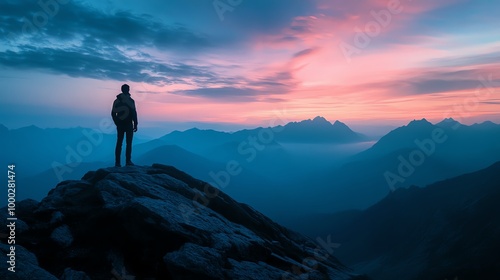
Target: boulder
70, 274
26, 265
157, 222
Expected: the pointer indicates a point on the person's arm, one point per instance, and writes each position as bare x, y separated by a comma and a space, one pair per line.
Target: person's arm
134, 112
113, 113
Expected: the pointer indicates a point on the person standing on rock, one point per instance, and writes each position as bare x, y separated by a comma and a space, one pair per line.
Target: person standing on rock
125, 118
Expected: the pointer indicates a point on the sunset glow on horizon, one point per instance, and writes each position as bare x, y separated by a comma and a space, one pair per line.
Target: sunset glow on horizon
360, 62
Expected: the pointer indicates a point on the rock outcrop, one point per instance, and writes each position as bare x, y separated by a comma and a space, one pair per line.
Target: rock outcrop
156, 222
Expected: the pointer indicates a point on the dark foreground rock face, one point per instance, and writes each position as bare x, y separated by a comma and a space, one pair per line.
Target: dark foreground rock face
156, 223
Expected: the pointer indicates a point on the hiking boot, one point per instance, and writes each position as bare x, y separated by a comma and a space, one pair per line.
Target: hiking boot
118, 165
129, 163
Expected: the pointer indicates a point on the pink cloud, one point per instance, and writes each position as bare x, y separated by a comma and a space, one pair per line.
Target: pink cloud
387, 83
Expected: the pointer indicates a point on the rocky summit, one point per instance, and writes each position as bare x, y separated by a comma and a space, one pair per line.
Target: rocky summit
156, 222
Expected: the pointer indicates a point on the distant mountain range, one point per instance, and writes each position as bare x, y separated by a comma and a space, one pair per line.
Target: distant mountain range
44, 157
417, 154
317, 130
454, 134
388, 218
448, 230
34, 149
305, 166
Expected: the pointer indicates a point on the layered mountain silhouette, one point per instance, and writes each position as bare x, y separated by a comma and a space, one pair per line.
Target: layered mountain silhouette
448, 230
44, 157
156, 222
409, 155
141, 221
476, 138
318, 130
35, 149
449, 123
305, 166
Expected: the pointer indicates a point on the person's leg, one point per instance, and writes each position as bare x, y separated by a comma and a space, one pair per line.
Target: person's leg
119, 140
128, 151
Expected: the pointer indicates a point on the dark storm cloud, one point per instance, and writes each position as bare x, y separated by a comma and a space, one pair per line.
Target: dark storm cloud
231, 94
450, 76
248, 90
78, 39
75, 20
113, 65
226, 93
268, 16
491, 102
305, 52
276, 83
436, 85
467, 72
468, 60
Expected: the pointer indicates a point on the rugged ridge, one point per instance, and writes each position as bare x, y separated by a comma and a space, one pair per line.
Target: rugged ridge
447, 230
156, 222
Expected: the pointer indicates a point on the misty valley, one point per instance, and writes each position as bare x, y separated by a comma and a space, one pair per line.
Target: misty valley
419, 195
392, 201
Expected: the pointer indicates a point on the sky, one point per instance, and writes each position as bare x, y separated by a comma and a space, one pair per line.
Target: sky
243, 63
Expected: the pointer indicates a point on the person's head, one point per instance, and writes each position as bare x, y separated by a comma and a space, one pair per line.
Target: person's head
125, 88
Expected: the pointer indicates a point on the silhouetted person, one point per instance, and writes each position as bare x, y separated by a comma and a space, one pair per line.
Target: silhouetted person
125, 118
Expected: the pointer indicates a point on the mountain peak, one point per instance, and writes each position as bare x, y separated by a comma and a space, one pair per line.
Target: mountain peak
320, 119
156, 222
30, 128
449, 122
486, 124
318, 130
422, 122
339, 123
